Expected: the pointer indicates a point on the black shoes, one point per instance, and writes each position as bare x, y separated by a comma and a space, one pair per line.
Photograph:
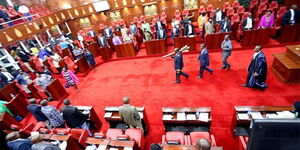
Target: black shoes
186, 77
244, 85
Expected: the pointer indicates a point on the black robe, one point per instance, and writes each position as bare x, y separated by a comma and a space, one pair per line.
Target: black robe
258, 65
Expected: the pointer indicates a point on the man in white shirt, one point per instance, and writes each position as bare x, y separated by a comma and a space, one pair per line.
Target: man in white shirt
189, 29
292, 16
5, 76
248, 22
218, 16
25, 11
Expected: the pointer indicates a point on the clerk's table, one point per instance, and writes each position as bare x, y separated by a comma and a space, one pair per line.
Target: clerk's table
156, 46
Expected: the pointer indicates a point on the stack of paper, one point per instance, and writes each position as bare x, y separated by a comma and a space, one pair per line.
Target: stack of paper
113, 149
167, 117
128, 148
181, 116
203, 117
91, 147
271, 115
63, 145
191, 116
256, 115
285, 114
243, 116
108, 115
101, 147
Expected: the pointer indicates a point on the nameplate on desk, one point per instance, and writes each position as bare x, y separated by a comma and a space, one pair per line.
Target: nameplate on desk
285, 114
102, 147
243, 116
128, 148
203, 117
167, 117
256, 115
181, 116
191, 117
108, 115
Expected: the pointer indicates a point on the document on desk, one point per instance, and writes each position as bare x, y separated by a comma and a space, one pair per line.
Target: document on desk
63, 145
108, 115
243, 116
113, 149
128, 148
271, 115
102, 147
167, 117
191, 117
285, 114
91, 147
256, 115
181, 116
203, 117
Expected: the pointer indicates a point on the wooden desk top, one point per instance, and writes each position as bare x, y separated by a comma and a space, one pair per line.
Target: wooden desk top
46, 136
60, 137
186, 147
186, 109
116, 108
286, 60
117, 143
263, 108
295, 49
92, 140
84, 107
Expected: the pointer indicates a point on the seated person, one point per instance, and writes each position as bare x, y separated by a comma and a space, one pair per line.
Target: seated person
209, 27
203, 144
189, 29
43, 53
297, 109
248, 23
39, 144
147, 36
117, 40
78, 52
161, 33
128, 38
43, 80
267, 21
24, 79
15, 142
155, 147
146, 26
202, 20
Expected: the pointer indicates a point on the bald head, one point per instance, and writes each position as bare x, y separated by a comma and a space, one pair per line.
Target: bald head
203, 144
257, 48
126, 100
36, 139
12, 136
32, 101
294, 6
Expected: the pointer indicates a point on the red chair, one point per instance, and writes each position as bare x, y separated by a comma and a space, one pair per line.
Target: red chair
230, 11
38, 126
273, 5
226, 6
139, 24
101, 26
256, 22
201, 9
185, 12
253, 4
281, 12
178, 18
37, 64
156, 16
52, 67
261, 9
142, 18
80, 135
245, 15
122, 22
135, 19
241, 10
23, 66
195, 136
242, 142
263, 2
113, 133
137, 136
177, 13
163, 15
22, 91
174, 137
211, 13
210, 7
235, 4
235, 18
70, 64
41, 93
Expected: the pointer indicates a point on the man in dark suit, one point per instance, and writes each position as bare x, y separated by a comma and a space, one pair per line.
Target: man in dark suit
25, 57
292, 16
14, 142
204, 61
175, 31
161, 33
225, 25
5, 76
102, 40
189, 29
178, 62
159, 24
35, 110
248, 23
257, 70
74, 118
108, 32
133, 28
218, 16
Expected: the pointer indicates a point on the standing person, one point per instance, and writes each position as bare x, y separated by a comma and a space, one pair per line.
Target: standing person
15, 142
74, 118
5, 76
161, 33
266, 21
175, 31
117, 40
70, 78
24, 79
146, 26
25, 57
108, 32
202, 20
186, 19
36, 111
209, 27
225, 25
147, 36
78, 52
248, 23
89, 57
204, 61
292, 16
218, 16
178, 63
159, 25
133, 29
130, 115
189, 29
226, 51
55, 118
257, 70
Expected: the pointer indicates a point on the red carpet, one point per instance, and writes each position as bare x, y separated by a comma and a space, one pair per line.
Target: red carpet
149, 82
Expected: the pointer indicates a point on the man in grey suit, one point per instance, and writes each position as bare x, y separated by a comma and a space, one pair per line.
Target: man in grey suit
226, 52
204, 61
133, 29
102, 40
130, 114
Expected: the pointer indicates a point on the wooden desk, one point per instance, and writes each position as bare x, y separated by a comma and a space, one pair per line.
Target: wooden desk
6, 120
94, 49
241, 125
290, 33
71, 143
82, 64
105, 52
57, 90
113, 117
96, 141
9, 89
286, 66
187, 117
256, 37
93, 120
185, 147
182, 41
34, 91
18, 105
111, 143
214, 41
125, 50
156, 47
46, 136
67, 52
111, 45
